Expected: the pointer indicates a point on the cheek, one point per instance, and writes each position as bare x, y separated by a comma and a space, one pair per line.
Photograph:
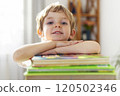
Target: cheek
68, 30
47, 30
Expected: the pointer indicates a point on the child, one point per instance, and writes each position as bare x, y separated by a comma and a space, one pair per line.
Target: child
56, 27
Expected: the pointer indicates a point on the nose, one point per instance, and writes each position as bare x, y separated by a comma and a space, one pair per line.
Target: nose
57, 25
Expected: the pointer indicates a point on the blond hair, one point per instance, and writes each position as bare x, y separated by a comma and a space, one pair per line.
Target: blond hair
54, 7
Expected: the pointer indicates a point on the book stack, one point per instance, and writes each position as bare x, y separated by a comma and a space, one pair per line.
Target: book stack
70, 67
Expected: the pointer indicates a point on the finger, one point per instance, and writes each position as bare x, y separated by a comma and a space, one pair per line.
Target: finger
74, 42
80, 40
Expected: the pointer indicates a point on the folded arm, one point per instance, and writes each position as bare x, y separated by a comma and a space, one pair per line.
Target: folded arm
82, 47
53, 47
28, 51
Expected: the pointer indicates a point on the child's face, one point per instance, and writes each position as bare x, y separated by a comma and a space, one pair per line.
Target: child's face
56, 27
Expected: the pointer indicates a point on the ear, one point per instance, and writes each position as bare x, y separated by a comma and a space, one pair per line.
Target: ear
72, 35
39, 32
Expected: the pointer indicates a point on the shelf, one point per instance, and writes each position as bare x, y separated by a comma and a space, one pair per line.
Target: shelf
82, 15
88, 15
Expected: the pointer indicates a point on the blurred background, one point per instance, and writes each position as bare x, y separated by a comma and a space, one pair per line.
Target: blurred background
99, 20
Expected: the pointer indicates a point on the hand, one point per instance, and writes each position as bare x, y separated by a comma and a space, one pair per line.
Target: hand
52, 51
67, 43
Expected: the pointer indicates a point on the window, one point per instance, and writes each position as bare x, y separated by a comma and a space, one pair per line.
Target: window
11, 37
11, 24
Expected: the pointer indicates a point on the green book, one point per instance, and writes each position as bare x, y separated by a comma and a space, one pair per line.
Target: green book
71, 76
70, 69
82, 73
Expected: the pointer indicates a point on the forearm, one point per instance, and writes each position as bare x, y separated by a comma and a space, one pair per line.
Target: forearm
84, 47
28, 51
88, 47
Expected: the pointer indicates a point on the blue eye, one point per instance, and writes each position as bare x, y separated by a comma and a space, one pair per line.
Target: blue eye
64, 23
50, 23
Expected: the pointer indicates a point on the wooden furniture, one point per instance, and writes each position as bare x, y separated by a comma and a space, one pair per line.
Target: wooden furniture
87, 20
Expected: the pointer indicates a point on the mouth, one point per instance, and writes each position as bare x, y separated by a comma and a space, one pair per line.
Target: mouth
57, 32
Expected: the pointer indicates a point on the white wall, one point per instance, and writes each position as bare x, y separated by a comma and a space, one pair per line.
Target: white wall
37, 6
64, 2
31, 9
109, 26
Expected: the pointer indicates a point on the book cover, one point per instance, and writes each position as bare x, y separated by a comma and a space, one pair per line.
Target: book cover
66, 60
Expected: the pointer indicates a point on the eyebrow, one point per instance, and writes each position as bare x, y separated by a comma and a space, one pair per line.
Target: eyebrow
52, 18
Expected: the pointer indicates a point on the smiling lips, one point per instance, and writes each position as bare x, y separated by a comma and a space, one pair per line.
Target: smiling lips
57, 32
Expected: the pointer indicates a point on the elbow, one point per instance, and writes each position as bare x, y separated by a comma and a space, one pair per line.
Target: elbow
91, 47
99, 49
96, 47
17, 56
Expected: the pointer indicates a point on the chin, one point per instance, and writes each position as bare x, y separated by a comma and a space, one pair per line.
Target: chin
59, 39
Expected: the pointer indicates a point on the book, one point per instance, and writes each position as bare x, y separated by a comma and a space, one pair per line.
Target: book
67, 60
69, 69
71, 76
